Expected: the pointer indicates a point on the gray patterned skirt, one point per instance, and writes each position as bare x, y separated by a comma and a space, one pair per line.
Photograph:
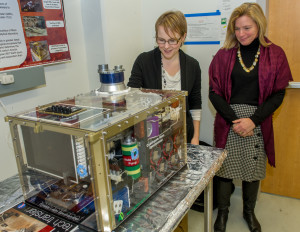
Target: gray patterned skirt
246, 159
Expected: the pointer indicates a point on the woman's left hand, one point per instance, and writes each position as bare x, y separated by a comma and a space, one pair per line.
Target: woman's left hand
243, 126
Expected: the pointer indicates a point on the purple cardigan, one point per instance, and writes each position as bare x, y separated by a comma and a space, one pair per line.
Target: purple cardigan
274, 74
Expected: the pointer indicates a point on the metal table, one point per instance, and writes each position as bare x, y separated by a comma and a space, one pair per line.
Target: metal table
165, 209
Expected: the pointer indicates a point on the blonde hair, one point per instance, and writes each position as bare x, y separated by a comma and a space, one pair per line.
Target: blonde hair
173, 21
252, 10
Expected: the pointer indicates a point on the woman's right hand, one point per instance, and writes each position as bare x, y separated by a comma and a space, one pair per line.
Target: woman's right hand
243, 127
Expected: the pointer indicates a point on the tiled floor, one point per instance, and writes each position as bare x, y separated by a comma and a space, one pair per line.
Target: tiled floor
275, 214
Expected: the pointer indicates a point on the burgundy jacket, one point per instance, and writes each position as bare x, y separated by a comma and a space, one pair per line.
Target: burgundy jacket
273, 73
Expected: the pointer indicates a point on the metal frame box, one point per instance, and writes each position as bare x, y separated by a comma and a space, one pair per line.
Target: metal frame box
94, 158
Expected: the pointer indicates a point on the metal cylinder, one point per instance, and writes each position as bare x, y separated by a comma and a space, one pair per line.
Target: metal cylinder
111, 80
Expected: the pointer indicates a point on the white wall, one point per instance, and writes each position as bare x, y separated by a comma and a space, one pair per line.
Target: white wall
93, 39
122, 32
62, 80
112, 33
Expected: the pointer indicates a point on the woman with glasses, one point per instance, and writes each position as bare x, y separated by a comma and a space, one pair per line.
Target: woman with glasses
168, 67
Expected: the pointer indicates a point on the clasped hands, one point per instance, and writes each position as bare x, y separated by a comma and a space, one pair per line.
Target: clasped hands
243, 127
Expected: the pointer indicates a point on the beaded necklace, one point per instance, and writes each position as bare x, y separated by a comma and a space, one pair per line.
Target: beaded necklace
163, 75
254, 62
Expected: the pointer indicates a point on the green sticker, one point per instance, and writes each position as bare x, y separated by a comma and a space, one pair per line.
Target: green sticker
121, 216
223, 21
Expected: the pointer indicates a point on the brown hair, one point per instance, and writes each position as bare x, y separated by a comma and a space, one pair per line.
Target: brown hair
173, 21
252, 10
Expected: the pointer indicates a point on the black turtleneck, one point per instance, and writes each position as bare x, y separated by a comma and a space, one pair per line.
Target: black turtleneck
245, 89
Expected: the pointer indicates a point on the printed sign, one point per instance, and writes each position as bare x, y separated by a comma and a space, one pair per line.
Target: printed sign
32, 33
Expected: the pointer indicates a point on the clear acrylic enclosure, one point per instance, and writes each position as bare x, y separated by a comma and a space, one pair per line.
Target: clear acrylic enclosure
95, 158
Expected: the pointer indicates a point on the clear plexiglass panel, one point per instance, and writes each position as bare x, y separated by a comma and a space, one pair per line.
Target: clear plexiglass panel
95, 110
143, 157
55, 173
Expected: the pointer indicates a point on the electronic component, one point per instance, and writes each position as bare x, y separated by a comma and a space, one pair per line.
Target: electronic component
131, 157
62, 110
81, 157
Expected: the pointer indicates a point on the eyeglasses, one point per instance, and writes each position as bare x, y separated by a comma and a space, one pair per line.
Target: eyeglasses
170, 41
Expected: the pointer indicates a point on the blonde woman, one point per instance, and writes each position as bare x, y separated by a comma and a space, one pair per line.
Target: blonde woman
248, 77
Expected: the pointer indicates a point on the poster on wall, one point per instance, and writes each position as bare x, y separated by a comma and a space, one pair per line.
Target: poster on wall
32, 33
203, 28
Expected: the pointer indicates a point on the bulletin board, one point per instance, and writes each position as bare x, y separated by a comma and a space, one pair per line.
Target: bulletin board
32, 33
